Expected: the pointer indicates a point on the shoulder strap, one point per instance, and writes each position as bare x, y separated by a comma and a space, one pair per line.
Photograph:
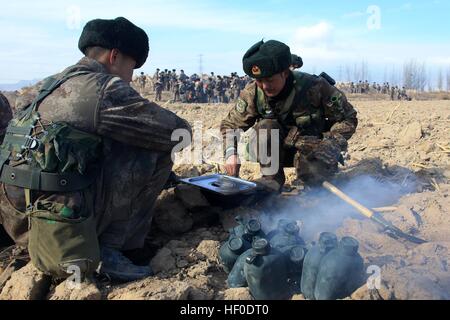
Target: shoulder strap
50, 85
302, 83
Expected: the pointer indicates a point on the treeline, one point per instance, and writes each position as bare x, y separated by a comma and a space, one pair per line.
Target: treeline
413, 75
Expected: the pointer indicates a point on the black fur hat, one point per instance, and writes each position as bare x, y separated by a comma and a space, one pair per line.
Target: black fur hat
119, 34
264, 59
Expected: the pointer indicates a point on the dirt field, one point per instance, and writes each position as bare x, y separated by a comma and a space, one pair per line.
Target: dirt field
399, 158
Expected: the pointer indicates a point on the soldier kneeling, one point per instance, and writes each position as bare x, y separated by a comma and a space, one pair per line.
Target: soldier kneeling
312, 117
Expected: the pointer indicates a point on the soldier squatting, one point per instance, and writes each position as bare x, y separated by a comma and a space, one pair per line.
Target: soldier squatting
89, 153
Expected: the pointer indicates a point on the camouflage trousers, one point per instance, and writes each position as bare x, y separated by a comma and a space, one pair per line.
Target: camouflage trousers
308, 170
125, 193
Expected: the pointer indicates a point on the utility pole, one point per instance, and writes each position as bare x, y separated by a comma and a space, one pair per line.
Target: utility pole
200, 65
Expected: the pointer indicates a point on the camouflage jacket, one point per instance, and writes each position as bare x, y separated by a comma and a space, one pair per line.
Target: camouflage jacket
5, 115
313, 105
135, 132
121, 113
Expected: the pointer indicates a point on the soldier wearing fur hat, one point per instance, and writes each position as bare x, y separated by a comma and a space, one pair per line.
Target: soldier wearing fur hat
313, 118
86, 158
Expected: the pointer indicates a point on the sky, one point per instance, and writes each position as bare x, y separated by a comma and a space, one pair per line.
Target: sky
39, 38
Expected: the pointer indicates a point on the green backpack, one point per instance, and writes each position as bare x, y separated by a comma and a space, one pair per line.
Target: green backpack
54, 158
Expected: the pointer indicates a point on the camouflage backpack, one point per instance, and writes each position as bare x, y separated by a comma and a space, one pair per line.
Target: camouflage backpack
53, 158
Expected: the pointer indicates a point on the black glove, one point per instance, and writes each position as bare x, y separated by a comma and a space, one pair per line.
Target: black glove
304, 144
336, 138
328, 152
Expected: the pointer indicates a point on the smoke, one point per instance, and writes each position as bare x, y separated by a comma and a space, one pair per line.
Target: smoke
318, 210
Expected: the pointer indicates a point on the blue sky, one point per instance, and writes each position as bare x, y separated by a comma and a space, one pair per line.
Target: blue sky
38, 38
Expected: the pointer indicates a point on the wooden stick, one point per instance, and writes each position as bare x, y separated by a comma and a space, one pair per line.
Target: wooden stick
365, 211
435, 184
445, 149
420, 165
385, 209
392, 113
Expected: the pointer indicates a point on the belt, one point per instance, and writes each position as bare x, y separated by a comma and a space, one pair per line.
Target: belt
34, 179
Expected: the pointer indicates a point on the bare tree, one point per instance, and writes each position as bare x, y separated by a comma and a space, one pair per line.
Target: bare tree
385, 75
348, 73
414, 75
440, 80
394, 77
448, 79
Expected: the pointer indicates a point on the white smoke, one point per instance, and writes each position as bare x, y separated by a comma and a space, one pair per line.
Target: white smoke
318, 210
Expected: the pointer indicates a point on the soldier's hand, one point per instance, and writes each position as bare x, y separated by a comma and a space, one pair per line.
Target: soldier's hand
304, 144
232, 166
337, 138
328, 151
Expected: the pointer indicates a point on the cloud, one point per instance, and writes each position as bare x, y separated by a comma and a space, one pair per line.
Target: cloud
199, 14
317, 42
36, 39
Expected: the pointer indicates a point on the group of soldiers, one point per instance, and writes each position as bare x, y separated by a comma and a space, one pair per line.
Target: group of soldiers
193, 89
364, 87
84, 161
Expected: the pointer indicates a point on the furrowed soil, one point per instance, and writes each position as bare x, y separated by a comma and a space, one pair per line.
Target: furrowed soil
398, 158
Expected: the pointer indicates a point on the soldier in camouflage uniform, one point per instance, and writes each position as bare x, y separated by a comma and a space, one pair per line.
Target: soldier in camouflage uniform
142, 82
313, 118
176, 91
135, 160
158, 89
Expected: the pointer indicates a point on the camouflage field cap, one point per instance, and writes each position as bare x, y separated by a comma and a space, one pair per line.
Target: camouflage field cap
264, 59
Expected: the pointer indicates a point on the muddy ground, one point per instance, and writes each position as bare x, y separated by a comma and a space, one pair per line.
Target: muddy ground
398, 158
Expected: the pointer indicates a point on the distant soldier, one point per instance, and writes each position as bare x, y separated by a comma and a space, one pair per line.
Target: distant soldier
296, 63
182, 76
236, 87
183, 89
155, 78
392, 93
142, 82
219, 90
360, 87
156, 75
199, 93
176, 91
352, 87
158, 90
211, 84
403, 94
168, 81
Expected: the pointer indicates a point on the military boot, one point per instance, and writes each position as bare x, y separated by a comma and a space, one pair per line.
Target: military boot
119, 267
